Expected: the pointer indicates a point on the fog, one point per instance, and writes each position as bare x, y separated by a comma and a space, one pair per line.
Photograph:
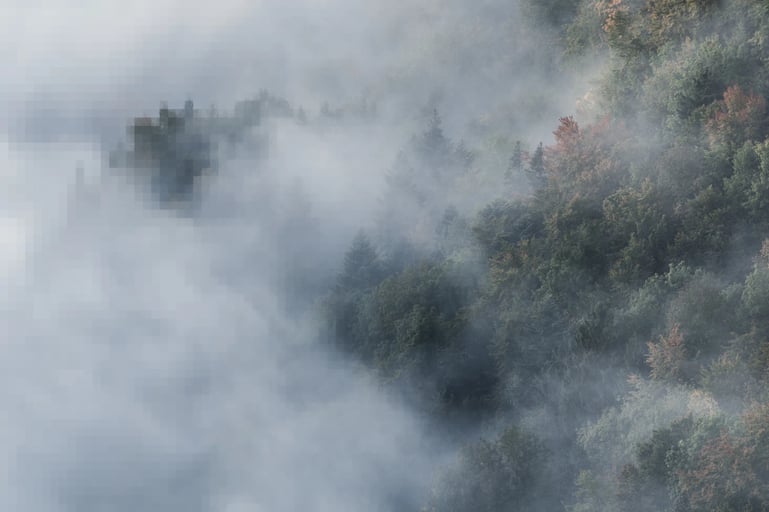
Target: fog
87, 68
157, 360
148, 359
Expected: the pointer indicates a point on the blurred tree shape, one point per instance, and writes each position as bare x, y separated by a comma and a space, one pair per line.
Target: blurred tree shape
362, 268
738, 118
667, 355
509, 473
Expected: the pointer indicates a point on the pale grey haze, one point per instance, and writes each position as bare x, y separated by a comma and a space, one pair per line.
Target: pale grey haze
154, 361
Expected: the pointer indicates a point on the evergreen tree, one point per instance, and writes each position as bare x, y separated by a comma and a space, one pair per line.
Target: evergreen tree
536, 169
362, 267
515, 167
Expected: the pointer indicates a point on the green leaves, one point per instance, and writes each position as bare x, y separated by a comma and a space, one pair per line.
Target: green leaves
508, 473
362, 267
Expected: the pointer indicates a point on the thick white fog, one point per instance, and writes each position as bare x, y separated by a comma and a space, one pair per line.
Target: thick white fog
148, 359
148, 363
155, 361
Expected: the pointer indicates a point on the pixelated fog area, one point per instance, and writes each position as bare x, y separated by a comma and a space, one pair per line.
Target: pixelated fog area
159, 267
179, 183
157, 354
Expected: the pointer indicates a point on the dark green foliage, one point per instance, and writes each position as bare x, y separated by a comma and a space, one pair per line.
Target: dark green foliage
501, 225
362, 267
593, 329
582, 244
731, 381
748, 186
642, 219
554, 12
706, 227
585, 32
707, 312
755, 297
416, 312
171, 152
411, 326
646, 485
345, 309
508, 473
659, 457
682, 172
516, 166
536, 169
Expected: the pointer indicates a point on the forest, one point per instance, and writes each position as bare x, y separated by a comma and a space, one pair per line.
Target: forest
553, 297
607, 328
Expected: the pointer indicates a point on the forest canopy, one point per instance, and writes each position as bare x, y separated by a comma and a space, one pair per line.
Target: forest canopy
614, 318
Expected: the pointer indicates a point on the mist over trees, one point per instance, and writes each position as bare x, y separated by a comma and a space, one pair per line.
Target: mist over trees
608, 323
501, 256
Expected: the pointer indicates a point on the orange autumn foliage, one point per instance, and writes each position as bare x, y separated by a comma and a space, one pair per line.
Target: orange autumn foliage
736, 118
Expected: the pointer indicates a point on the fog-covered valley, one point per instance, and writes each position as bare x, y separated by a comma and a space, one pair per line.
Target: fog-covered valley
430, 256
